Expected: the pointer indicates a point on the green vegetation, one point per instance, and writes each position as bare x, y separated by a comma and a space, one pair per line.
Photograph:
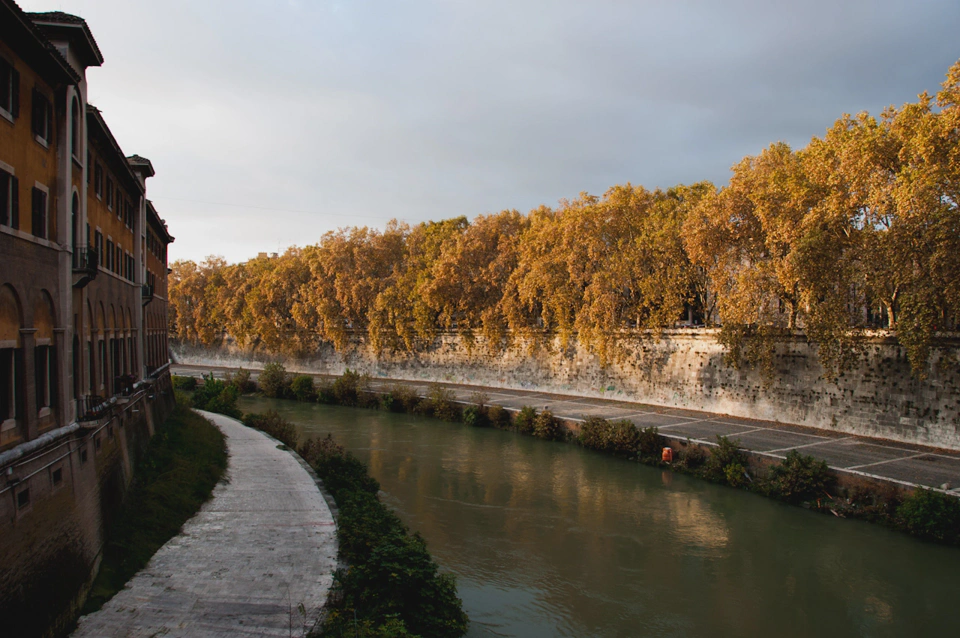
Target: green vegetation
931, 515
391, 586
217, 396
799, 478
186, 458
273, 381
186, 384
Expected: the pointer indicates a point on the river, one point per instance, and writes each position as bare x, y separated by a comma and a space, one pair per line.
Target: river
547, 539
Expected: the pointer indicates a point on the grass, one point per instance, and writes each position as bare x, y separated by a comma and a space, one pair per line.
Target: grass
185, 460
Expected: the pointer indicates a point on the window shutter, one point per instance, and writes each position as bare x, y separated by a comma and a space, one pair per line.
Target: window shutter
48, 107
14, 202
19, 387
52, 369
38, 373
16, 94
36, 115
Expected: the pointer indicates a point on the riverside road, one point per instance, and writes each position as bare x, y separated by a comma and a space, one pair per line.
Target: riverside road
899, 462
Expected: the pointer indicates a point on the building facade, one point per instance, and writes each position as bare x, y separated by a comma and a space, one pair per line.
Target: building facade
83, 359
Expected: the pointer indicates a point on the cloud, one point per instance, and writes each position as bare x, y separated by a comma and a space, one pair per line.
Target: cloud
363, 111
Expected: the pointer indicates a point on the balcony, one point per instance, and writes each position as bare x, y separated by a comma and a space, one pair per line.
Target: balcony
146, 294
92, 408
85, 265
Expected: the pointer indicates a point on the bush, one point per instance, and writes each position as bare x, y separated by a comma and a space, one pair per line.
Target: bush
187, 384
400, 398
548, 427
475, 416
346, 388
798, 478
498, 417
726, 453
216, 396
393, 587
619, 437
273, 381
735, 474
242, 381
443, 403
650, 443
931, 515
302, 388
524, 420
274, 425
692, 457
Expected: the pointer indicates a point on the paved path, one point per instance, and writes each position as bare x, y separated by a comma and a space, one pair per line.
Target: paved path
900, 462
263, 545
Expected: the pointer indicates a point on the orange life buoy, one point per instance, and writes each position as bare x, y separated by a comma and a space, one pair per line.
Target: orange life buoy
667, 455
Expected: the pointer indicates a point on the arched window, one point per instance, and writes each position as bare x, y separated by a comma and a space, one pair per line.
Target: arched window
11, 368
45, 359
74, 215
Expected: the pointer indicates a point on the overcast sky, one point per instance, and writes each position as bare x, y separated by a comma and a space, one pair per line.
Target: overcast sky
270, 122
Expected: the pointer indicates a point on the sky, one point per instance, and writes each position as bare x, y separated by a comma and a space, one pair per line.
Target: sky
271, 122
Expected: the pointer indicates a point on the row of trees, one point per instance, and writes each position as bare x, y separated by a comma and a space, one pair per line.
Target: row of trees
859, 229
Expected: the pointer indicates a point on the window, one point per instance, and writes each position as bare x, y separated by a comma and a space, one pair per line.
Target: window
9, 200
9, 384
109, 255
109, 194
89, 168
75, 128
83, 455
118, 262
39, 213
56, 476
9, 89
42, 118
101, 257
98, 180
46, 372
23, 498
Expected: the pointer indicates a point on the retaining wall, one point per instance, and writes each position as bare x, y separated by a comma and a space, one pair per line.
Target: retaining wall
685, 369
57, 497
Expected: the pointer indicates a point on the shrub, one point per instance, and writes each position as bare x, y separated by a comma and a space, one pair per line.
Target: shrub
735, 474
498, 417
241, 379
325, 393
726, 453
798, 478
650, 443
439, 403
402, 398
523, 421
931, 515
216, 396
273, 380
691, 457
393, 587
618, 437
346, 387
302, 388
475, 416
187, 384
479, 398
275, 425
546, 426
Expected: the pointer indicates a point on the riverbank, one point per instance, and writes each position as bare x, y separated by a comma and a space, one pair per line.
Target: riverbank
257, 559
761, 447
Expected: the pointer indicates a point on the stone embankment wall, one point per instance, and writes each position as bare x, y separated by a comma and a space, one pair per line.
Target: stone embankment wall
683, 369
59, 494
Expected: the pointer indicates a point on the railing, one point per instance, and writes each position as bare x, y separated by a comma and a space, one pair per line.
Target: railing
85, 264
146, 294
91, 408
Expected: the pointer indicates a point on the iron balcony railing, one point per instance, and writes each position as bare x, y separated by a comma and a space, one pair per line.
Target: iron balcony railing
91, 408
146, 294
85, 264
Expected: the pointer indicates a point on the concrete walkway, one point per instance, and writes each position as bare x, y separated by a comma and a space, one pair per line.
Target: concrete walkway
891, 461
263, 545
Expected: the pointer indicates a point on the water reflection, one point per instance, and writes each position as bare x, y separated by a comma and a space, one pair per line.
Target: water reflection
547, 539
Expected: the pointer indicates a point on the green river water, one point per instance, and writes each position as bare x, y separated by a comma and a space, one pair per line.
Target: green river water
547, 539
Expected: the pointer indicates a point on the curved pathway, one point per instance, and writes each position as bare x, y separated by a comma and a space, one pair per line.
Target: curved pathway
261, 547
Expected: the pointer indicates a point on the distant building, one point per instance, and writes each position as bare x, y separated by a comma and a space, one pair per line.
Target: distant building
83, 308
